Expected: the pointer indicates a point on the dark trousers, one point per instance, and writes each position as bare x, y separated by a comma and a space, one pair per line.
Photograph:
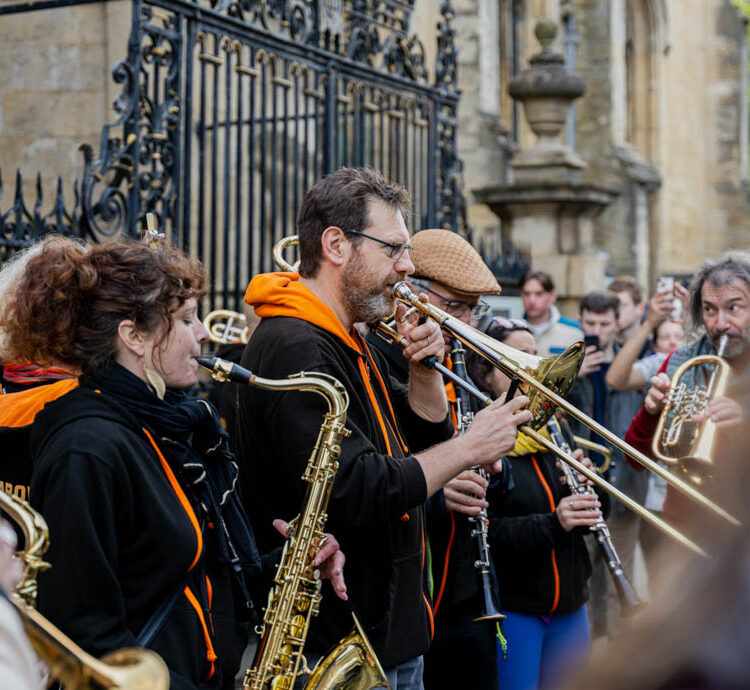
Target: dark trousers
462, 655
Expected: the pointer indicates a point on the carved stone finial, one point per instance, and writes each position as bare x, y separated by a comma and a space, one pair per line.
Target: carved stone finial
546, 90
545, 32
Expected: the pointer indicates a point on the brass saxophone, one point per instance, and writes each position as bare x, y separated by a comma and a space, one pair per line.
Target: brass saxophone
295, 597
130, 669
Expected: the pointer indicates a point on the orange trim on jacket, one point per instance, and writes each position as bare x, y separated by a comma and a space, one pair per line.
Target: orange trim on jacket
281, 294
551, 499
424, 596
182, 498
379, 376
210, 653
19, 409
448, 548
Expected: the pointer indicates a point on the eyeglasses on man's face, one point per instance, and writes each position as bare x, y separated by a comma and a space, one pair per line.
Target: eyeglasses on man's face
395, 249
459, 308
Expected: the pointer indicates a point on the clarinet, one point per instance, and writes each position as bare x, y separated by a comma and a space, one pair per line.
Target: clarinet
630, 602
488, 611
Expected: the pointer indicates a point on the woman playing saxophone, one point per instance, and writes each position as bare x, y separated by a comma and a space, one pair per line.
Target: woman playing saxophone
149, 543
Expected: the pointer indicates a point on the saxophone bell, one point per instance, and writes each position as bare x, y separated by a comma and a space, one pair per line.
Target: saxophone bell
129, 669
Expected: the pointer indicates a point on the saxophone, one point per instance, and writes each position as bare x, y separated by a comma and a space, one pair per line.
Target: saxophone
130, 669
295, 597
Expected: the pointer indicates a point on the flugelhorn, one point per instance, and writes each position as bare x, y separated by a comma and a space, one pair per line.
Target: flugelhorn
129, 669
545, 398
678, 441
225, 326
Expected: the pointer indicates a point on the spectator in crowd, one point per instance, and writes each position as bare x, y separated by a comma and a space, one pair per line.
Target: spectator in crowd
632, 306
629, 370
552, 331
627, 374
613, 409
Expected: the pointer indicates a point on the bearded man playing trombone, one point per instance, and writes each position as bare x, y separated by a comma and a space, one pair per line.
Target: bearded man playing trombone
720, 306
354, 247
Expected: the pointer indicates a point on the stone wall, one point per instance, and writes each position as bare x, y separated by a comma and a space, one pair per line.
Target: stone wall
57, 88
673, 150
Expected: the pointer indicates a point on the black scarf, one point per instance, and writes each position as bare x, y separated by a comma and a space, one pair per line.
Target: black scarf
196, 446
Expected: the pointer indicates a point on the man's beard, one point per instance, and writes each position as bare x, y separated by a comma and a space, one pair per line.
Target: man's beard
737, 345
364, 295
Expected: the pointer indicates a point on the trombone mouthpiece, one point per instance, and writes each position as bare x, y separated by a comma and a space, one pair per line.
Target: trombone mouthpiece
402, 291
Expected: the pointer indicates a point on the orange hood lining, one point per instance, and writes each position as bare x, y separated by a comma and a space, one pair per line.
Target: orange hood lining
20, 409
281, 294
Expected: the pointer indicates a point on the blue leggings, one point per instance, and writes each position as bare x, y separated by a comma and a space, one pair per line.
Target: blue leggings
542, 651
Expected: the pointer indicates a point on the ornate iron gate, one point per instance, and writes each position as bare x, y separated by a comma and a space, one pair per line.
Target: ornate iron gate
229, 112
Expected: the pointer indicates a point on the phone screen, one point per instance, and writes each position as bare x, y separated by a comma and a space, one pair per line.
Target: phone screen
591, 340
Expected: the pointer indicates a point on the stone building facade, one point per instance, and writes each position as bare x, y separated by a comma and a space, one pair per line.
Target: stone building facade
664, 119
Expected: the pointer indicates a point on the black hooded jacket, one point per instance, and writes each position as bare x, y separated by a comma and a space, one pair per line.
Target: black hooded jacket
126, 533
541, 568
375, 510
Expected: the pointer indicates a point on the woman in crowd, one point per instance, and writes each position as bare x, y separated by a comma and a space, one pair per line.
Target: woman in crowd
149, 543
536, 535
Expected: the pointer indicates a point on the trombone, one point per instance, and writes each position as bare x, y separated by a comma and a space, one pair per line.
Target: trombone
225, 326
555, 372
544, 399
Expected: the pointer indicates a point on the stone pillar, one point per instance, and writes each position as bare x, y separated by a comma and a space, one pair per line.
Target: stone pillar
546, 208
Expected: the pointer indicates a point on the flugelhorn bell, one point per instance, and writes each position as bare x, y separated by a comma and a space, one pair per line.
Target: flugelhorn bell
678, 441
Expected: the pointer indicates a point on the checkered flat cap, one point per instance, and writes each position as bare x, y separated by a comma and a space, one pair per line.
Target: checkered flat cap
449, 259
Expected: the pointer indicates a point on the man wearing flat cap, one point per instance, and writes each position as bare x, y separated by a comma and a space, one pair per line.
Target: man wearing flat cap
454, 277
463, 653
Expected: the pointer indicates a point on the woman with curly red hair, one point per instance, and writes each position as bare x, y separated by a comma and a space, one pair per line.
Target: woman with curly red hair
149, 543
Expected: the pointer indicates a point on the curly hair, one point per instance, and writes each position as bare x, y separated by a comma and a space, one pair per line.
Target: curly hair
72, 297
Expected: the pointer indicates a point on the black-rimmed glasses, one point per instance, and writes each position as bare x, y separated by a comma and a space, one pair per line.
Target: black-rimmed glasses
395, 249
458, 308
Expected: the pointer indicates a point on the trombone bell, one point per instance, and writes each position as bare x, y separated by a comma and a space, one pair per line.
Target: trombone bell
556, 373
225, 326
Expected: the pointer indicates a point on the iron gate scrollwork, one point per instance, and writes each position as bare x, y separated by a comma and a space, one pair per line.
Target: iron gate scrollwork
229, 110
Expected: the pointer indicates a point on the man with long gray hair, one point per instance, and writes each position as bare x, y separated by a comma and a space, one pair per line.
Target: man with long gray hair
720, 310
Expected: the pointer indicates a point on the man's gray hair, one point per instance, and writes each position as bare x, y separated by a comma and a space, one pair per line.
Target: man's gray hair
717, 272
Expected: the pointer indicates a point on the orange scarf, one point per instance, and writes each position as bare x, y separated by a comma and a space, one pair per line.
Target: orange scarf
281, 294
